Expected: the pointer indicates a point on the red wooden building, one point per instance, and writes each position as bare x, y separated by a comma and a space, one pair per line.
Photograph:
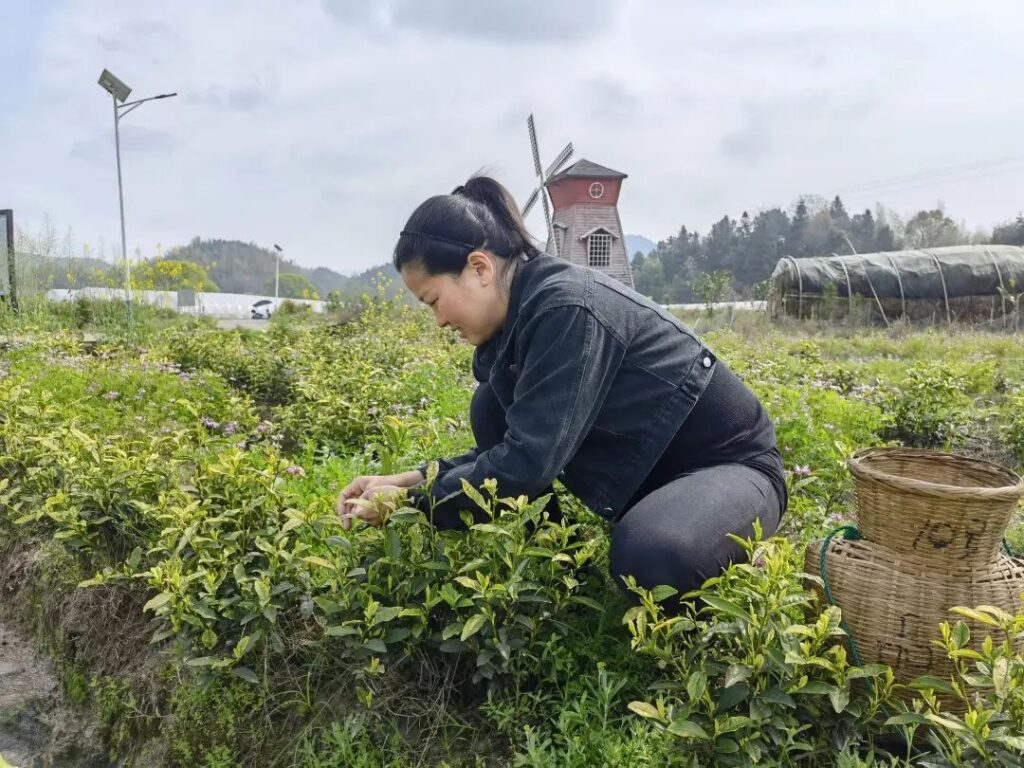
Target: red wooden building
586, 220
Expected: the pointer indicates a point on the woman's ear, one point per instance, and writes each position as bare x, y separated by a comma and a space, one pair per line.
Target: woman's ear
483, 266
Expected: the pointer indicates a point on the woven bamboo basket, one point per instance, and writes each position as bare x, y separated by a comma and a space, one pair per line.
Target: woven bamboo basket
950, 509
893, 603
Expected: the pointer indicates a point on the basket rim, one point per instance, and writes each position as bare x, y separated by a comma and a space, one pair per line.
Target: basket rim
860, 468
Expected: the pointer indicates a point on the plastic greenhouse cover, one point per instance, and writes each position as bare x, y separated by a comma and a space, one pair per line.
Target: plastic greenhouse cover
933, 273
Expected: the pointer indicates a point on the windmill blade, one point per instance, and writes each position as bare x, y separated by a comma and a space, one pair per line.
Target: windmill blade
540, 177
560, 160
530, 201
547, 218
533, 147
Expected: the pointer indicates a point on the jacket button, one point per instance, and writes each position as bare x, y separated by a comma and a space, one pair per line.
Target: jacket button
706, 362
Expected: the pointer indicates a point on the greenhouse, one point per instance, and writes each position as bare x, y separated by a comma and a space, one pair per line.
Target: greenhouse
957, 283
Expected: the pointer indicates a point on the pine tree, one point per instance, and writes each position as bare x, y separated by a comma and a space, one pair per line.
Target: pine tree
797, 230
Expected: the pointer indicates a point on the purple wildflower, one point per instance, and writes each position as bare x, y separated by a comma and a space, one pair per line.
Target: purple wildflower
295, 470
210, 423
263, 427
802, 471
111, 395
230, 427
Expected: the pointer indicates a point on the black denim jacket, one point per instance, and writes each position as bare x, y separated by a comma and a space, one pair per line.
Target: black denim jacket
595, 380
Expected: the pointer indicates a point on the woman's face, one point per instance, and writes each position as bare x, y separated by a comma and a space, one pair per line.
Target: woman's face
470, 302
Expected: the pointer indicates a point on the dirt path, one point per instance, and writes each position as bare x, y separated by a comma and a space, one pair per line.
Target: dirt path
37, 727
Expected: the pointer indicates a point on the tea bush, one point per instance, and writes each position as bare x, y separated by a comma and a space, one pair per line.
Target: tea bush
759, 676
929, 408
199, 468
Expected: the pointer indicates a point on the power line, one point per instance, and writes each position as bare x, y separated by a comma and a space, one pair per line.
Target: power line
938, 176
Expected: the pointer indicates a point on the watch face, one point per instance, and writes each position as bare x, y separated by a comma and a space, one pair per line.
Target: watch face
596, 190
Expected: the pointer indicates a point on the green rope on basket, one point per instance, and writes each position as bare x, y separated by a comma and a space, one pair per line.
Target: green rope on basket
850, 533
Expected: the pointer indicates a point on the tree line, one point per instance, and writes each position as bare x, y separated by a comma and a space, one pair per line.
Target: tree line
741, 253
735, 257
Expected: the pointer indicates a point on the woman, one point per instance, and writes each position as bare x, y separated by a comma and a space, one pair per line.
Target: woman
584, 380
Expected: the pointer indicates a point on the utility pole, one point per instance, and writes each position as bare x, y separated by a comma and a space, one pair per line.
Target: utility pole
12, 281
119, 92
277, 272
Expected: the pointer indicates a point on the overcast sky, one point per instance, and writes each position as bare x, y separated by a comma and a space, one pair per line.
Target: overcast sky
321, 124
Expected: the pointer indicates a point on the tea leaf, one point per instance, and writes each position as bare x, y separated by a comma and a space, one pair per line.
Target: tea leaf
644, 709
473, 625
245, 674
162, 599
663, 592
687, 729
726, 606
730, 697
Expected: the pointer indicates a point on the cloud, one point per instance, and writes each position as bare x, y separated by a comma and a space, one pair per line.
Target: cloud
753, 139
524, 21
138, 34
323, 129
244, 99
135, 139
766, 125
612, 100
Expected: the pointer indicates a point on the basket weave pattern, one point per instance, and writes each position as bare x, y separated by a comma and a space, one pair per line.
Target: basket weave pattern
893, 605
947, 507
932, 524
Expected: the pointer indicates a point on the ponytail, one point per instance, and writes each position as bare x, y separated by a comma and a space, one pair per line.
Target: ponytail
445, 229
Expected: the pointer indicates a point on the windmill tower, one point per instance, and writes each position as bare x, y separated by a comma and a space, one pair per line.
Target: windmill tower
586, 225
585, 228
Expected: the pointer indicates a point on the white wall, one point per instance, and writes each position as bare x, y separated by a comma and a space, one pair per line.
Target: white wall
212, 304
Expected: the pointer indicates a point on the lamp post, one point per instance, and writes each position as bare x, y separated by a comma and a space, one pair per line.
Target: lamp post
119, 92
277, 272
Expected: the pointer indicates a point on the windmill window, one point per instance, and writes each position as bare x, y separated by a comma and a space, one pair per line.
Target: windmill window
599, 250
596, 190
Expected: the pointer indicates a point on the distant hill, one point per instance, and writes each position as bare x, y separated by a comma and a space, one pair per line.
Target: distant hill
239, 267
640, 243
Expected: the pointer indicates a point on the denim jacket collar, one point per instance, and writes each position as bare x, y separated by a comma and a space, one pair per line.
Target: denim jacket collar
489, 351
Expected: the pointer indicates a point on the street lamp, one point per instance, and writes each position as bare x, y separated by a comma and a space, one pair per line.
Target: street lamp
277, 271
119, 92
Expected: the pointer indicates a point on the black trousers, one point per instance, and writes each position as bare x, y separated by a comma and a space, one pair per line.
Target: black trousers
676, 534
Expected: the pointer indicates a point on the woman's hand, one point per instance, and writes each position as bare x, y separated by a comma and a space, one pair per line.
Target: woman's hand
362, 497
374, 505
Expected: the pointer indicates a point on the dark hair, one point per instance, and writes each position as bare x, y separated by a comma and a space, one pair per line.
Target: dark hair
445, 229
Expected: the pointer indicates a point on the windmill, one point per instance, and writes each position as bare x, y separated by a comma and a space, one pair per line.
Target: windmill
542, 179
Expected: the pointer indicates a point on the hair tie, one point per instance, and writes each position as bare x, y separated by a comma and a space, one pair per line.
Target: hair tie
437, 238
